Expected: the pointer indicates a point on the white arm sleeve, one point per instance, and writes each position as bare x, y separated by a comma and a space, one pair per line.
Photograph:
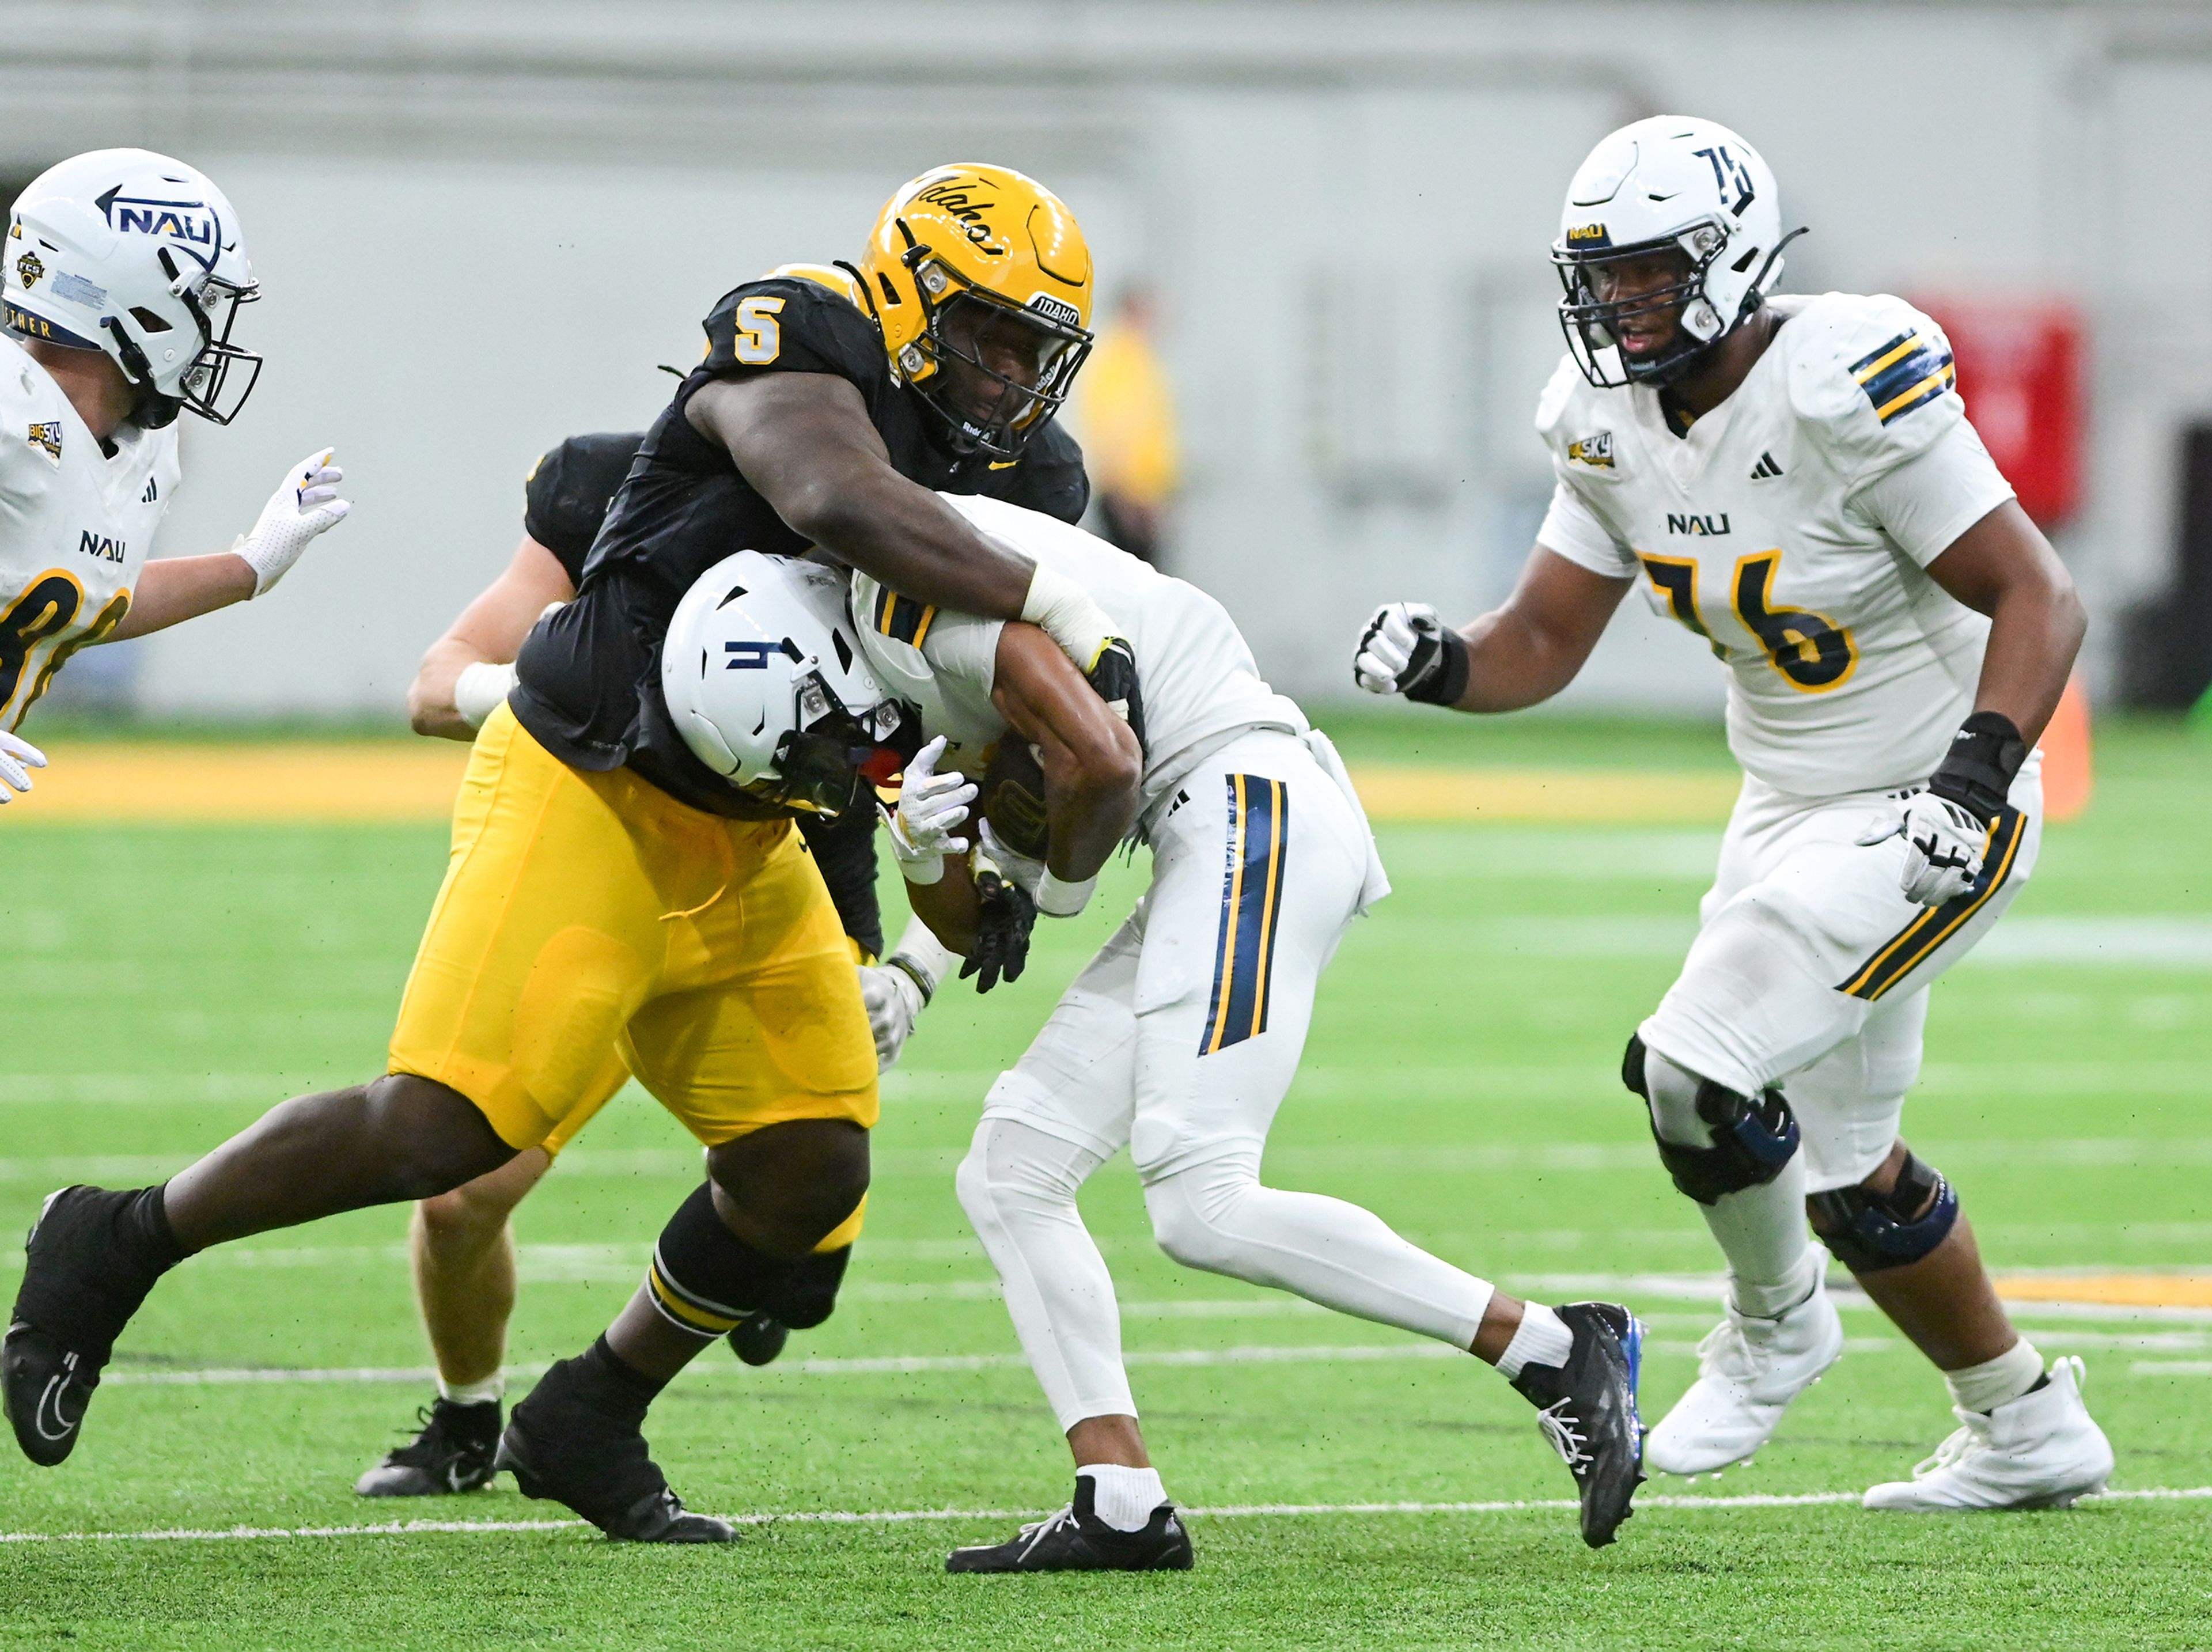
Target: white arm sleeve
1924, 504
1572, 529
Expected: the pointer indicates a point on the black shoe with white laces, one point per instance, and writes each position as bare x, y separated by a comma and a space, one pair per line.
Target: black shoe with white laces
1076, 1539
88, 1262
1587, 1408
451, 1452
565, 1442
757, 1339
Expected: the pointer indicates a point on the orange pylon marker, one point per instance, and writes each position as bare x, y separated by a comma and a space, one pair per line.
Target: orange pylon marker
2066, 778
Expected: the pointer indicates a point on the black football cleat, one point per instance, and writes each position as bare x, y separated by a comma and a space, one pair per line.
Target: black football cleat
452, 1451
757, 1339
79, 1290
1076, 1539
558, 1446
1587, 1409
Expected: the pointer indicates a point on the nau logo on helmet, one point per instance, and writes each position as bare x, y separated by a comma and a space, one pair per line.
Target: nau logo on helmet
30, 269
184, 221
1698, 526
748, 656
957, 197
1053, 309
1596, 451
48, 435
1588, 235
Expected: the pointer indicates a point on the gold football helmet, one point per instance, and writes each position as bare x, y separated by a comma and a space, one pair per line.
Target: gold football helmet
980, 280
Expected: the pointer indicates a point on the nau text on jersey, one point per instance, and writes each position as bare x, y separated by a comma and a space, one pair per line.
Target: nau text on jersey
101, 547
1698, 526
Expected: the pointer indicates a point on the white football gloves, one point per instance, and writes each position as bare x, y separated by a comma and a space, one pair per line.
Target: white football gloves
1405, 649
931, 809
894, 1000
18, 756
1943, 845
306, 505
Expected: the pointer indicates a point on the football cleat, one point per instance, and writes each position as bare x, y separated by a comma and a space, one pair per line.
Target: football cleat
1748, 1371
1076, 1539
558, 1447
757, 1339
2043, 1450
452, 1451
1586, 1407
79, 1290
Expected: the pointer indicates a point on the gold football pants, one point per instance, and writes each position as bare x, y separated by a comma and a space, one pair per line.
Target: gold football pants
591, 927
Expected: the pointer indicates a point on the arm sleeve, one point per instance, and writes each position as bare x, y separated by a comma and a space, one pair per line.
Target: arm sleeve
1926, 503
844, 849
1572, 529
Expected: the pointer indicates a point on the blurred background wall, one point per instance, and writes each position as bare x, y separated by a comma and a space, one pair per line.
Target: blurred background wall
480, 227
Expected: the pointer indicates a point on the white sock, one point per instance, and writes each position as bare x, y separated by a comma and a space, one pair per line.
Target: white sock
1993, 1383
1124, 1498
488, 1391
1541, 1338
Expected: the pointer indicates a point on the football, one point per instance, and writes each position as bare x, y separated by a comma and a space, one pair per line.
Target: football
1012, 797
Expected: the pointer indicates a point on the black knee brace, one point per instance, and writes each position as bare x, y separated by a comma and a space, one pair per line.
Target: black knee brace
1753, 1137
1868, 1232
704, 1279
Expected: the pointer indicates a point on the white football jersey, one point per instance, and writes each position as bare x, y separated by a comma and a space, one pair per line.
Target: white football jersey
1791, 528
75, 526
1199, 683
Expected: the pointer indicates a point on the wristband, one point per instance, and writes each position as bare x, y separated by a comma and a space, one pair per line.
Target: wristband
479, 690
914, 973
1443, 685
1056, 898
1976, 773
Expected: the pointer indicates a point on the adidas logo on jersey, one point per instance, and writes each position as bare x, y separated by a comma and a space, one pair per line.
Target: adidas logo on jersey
151, 493
1766, 469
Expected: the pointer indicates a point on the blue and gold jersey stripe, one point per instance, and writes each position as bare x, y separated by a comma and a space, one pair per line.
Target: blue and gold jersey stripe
1909, 371
901, 618
1251, 896
1911, 945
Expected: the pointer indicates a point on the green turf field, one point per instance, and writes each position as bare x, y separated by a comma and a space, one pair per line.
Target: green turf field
169, 983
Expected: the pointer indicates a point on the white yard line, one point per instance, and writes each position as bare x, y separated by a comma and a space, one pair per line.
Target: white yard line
904, 1517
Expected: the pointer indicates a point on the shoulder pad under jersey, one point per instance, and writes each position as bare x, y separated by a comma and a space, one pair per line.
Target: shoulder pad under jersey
1559, 395
892, 629
793, 324
1873, 377
566, 495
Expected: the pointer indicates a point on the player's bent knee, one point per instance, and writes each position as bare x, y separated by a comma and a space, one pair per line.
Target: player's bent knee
436, 1139
1750, 1140
704, 1279
1186, 1224
1869, 1231
795, 1182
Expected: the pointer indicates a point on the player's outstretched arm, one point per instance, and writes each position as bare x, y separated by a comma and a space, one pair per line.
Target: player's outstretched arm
1515, 656
804, 439
468, 671
304, 506
2004, 568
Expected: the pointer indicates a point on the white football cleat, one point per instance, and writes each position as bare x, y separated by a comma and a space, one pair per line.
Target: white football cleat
1748, 1371
2040, 1451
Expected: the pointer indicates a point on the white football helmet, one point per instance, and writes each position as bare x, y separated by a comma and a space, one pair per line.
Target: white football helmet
766, 685
1665, 185
136, 255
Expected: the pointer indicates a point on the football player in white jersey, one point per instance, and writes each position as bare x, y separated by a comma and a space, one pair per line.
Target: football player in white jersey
1181, 1037
1795, 480
124, 271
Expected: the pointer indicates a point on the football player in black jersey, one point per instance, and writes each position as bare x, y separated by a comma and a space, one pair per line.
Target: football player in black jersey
460, 1244
613, 904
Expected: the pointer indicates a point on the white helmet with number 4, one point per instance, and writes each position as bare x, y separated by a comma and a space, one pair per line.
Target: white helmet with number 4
767, 687
138, 256
1685, 191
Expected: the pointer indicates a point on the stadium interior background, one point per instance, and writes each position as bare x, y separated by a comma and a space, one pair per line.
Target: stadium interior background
481, 226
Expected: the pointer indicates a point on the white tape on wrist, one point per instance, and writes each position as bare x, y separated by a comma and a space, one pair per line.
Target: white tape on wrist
1069, 614
1058, 899
480, 690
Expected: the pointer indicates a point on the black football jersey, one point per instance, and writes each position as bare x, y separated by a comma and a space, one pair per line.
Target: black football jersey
589, 686
565, 500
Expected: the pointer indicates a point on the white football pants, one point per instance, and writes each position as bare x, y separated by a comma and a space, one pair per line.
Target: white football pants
1179, 1040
